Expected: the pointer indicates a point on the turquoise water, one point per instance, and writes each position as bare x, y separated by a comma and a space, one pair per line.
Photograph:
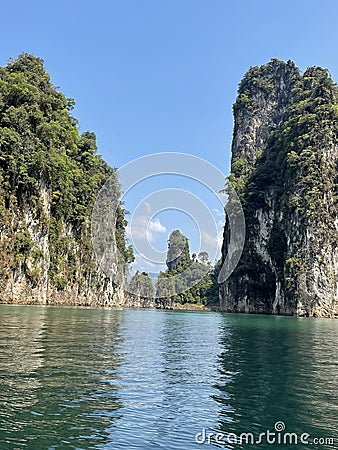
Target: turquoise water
147, 379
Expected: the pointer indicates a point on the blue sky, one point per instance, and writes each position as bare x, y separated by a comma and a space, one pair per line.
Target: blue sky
159, 76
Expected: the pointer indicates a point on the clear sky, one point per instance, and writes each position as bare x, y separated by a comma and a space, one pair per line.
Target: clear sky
154, 76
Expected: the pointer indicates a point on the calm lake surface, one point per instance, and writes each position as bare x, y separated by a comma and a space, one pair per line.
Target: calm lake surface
149, 379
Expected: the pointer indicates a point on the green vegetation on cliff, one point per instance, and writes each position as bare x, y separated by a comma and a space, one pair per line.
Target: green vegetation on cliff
285, 169
189, 279
141, 290
49, 178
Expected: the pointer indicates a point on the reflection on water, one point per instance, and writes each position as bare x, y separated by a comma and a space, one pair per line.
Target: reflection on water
166, 379
55, 365
146, 379
21, 355
278, 369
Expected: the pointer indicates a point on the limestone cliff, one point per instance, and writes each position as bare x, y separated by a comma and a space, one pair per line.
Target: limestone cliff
50, 176
285, 169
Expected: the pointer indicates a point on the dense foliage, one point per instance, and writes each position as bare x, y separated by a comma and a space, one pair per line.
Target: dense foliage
188, 279
49, 172
141, 288
294, 177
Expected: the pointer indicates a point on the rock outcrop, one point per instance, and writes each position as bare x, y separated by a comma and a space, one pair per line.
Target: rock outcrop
285, 169
50, 176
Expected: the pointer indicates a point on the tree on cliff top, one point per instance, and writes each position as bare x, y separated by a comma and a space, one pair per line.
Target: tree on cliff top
187, 280
41, 149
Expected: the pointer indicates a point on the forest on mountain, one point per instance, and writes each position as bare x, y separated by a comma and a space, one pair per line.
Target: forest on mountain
189, 279
285, 169
50, 175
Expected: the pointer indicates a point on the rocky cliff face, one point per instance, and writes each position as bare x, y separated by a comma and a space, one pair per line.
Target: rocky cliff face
49, 178
284, 167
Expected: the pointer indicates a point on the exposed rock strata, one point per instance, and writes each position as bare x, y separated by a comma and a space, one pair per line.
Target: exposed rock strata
285, 169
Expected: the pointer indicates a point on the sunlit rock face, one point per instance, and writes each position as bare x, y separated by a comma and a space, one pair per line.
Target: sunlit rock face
284, 167
50, 176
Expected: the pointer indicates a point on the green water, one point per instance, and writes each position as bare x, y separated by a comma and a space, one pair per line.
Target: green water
146, 379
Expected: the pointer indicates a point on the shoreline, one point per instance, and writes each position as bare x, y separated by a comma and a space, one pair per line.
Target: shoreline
175, 307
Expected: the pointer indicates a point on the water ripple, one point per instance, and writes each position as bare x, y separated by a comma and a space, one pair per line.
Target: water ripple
144, 379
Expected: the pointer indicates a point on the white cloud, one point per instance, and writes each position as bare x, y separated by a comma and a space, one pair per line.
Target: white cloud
212, 244
219, 213
142, 227
210, 240
142, 264
147, 205
156, 226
